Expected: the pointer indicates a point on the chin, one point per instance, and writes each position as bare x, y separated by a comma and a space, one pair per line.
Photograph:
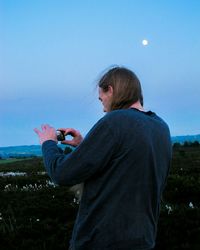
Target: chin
105, 109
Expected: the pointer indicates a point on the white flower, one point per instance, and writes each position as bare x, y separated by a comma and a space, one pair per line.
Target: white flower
169, 208
191, 205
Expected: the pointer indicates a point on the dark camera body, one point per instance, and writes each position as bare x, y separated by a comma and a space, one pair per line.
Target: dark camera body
60, 135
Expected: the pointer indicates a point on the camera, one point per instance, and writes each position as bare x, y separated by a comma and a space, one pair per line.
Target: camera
60, 135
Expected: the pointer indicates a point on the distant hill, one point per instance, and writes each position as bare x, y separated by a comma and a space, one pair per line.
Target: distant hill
183, 138
22, 151
35, 150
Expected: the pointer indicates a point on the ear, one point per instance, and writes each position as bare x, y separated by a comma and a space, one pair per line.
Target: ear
110, 90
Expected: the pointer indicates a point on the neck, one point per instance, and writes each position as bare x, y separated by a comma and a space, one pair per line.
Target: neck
137, 105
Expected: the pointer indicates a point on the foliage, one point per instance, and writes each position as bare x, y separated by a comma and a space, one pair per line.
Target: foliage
35, 214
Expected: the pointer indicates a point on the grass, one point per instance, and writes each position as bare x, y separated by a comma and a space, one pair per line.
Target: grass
3, 161
43, 218
28, 165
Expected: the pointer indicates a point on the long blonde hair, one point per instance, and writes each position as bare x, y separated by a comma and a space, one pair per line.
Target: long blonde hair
126, 87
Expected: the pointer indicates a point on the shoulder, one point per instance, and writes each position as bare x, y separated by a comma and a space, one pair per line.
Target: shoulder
121, 116
112, 118
108, 122
116, 115
133, 117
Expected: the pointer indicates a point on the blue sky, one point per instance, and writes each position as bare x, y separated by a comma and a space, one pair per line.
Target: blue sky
53, 52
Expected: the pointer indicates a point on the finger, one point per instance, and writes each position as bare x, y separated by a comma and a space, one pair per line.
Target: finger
61, 129
45, 126
65, 142
73, 132
37, 131
66, 129
69, 142
69, 131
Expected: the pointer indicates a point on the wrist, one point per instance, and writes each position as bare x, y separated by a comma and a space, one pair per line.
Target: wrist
45, 140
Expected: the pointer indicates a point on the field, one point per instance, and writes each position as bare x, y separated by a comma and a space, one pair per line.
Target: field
37, 215
11, 160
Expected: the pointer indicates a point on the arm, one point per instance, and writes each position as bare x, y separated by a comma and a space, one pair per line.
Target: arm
92, 155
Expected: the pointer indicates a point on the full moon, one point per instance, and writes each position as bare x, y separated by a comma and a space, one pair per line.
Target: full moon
145, 42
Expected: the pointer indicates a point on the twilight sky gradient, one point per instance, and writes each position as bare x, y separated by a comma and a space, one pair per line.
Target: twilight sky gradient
53, 52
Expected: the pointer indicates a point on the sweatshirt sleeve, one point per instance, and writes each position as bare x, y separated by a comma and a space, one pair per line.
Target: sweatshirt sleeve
89, 157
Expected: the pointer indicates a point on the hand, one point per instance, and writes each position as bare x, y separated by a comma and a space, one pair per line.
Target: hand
47, 133
77, 137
